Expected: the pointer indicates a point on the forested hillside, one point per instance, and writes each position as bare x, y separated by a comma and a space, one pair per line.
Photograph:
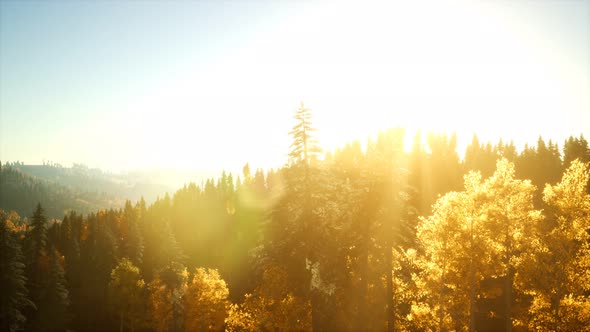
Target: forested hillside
364, 238
84, 189
21, 192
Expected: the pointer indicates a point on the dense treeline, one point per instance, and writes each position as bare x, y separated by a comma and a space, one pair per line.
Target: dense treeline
369, 238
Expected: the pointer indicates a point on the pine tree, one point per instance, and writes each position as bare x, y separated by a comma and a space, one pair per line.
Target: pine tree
53, 305
420, 188
304, 147
37, 264
37, 237
133, 245
303, 184
392, 225
575, 148
13, 291
169, 251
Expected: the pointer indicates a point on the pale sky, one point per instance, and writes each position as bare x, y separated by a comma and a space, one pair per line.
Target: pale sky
214, 84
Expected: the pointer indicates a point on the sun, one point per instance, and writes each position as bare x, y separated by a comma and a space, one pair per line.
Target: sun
360, 69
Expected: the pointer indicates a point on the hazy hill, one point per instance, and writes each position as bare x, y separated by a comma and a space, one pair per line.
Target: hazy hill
20, 191
84, 189
79, 188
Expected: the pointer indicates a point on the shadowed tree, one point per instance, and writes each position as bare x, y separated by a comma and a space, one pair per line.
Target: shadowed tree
54, 304
126, 293
167, 297
302, 227
37, 263
13, 292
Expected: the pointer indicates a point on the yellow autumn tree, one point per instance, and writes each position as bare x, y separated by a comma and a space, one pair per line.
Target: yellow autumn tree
453, 253
511, 221
271, 307
205, 303
126, 294
477, 233
167, 297
560, 283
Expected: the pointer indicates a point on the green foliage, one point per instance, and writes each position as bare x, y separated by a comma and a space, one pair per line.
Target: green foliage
576, 148
271, 307
167, 293
20, 191
127, 294
53, 305
13, 291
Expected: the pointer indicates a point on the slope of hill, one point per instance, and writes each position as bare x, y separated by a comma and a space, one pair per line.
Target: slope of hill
131, 186
83, 189
20, 192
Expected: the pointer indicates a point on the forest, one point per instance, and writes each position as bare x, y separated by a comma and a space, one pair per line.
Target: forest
77, 188
367, 237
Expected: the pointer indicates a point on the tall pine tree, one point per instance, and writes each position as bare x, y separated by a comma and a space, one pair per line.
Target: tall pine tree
13, 291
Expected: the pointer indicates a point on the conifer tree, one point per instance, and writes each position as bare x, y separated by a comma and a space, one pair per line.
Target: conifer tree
575, 148
133, 245
13, 292
37, 263
37, 239
304, 147
303, 186
53, 305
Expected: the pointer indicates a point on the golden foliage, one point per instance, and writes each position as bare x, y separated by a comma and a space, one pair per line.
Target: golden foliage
126, 290
272, 307
560, 286
166, 300
206, 305
478, 232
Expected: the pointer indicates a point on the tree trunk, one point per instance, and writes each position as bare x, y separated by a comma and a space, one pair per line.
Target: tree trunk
121, 322
556, 311
363, 287
471, 283
441, 312
508, 299
316, 321
390, 302
471, 296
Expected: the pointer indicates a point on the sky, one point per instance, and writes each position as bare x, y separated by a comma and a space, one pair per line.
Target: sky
124, 85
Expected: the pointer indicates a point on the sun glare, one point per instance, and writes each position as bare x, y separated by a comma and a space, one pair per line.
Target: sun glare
362, 69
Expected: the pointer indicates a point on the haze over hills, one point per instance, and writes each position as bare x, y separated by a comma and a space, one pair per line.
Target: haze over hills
85, 189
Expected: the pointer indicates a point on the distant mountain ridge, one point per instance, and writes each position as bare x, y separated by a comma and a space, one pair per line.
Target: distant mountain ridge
60, 189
